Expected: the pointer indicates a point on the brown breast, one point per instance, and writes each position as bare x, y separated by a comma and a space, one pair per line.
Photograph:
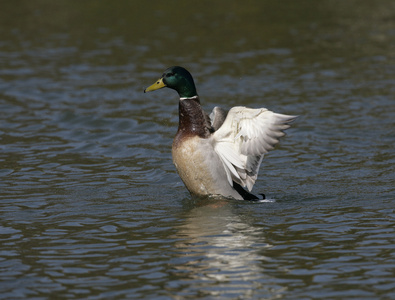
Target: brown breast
193, 121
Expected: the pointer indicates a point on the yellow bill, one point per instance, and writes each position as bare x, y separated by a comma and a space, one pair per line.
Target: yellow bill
156, 86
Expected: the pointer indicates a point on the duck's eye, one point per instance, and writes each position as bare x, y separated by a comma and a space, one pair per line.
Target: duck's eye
169, 74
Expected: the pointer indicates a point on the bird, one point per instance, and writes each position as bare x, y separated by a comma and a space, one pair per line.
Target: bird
219, 155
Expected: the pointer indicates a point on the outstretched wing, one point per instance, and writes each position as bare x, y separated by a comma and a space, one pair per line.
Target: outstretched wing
244, 138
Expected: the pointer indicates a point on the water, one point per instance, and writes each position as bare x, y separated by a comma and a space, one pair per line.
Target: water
91, 205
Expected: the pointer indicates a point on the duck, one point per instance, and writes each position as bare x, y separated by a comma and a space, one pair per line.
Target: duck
219, 155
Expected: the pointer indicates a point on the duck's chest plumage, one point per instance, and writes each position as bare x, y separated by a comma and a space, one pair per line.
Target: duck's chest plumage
192, 158
197, 163
200, 168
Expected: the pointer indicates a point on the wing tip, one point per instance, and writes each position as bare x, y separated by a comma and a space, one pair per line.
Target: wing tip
286, 119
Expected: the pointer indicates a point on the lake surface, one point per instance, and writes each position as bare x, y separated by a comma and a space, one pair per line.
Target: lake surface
91, 206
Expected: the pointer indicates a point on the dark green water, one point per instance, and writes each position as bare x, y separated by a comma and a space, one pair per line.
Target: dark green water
90, 204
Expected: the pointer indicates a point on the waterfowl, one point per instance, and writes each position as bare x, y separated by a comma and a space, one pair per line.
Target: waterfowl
219, 154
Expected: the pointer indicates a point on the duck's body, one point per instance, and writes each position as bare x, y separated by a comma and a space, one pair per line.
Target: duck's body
197, 163
220, 154
201, 169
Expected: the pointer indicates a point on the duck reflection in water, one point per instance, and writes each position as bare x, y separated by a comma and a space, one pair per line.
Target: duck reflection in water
221, 253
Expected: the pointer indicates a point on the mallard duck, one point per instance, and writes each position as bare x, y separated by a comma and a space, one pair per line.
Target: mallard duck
219, 154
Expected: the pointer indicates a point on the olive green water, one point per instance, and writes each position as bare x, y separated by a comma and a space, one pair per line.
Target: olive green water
90, 204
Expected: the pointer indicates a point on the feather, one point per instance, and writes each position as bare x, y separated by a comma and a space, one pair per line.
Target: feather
243, 139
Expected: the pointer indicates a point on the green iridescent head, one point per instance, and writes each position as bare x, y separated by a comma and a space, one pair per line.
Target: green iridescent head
176, 78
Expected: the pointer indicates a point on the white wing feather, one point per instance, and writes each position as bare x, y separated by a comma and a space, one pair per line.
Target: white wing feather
244, 138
